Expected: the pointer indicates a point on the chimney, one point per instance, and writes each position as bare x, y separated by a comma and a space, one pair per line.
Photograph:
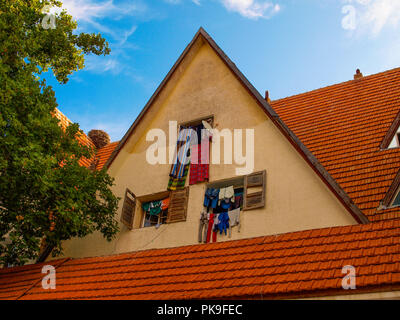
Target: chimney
267, 96
358, 75
100, 138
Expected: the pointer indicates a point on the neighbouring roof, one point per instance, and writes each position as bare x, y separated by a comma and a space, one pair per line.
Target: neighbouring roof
82, 138
343, 125
306, 263
104, 153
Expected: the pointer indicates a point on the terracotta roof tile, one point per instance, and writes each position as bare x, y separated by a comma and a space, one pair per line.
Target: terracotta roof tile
343, 125
104, 153
274, 266
82, 138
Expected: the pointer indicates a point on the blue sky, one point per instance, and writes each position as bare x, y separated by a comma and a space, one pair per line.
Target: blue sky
286, 47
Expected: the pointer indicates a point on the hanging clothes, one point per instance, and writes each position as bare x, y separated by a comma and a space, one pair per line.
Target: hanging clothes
200, 166
223, 222
165, 204
153, 208
227, 193
182, 154
211, 198
234, 220
203, 227
178, 184
210, 228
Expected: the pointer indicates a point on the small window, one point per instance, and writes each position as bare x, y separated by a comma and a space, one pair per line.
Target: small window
398, 139
154, 220
153, 209
163, 207
253, 185
396, 201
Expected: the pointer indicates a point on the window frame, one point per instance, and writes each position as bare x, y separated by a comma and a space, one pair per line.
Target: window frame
147, 198
240, 182
398, 139
396, 195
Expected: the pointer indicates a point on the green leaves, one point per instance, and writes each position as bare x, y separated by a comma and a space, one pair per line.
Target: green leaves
44, 193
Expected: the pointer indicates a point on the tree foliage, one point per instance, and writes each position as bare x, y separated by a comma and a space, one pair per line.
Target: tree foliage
45, 195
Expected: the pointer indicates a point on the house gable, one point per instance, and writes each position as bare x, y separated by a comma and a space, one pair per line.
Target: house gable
204, 85
169, 82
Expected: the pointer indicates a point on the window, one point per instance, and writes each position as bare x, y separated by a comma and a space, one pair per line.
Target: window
396, 201
253, 185
196, 122
392, 197
395, 143
128, 209
163, 207
150, 220
398, 139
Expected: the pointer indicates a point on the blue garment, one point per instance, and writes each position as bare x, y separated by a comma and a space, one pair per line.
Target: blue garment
223, 222
211, 198
225, 204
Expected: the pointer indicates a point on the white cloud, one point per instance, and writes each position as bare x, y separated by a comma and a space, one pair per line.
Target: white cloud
374, 15
100, 64
104, 16
89, 10
252, 9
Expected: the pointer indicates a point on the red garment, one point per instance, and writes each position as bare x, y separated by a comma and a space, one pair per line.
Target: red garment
215, 236
199, 165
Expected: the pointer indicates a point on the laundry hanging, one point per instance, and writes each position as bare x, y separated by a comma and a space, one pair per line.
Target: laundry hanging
182, 154
181, 164
200, 156
178, 184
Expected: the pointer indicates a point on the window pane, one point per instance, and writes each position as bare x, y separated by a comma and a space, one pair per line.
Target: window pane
397, 200
150, 220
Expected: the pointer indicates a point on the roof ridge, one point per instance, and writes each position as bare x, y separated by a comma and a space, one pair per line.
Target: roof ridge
334, 85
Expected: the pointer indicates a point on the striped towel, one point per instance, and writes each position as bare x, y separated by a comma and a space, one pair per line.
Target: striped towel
178, 184
181, 153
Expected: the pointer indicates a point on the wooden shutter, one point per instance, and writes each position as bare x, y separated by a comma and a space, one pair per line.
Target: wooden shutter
178, 203
254, 190
128, 210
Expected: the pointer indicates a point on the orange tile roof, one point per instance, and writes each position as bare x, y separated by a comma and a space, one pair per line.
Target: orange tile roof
82, 138
343, 125
104, 153
287, 265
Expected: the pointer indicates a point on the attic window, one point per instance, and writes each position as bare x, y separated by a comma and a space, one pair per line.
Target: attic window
396, 201
392, 197
162, 208
392, 138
